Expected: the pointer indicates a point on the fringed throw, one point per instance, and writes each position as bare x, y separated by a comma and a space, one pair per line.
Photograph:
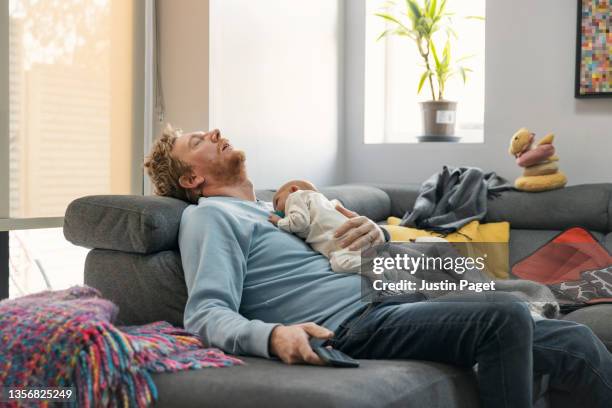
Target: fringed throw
66, 338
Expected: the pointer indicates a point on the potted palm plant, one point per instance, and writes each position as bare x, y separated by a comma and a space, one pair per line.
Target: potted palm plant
420, 21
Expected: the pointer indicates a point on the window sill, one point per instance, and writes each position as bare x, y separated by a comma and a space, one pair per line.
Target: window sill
467, 136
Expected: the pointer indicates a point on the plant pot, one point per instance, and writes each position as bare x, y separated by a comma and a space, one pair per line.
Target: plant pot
439, 119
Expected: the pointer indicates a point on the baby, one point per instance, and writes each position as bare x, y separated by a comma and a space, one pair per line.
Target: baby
309, 215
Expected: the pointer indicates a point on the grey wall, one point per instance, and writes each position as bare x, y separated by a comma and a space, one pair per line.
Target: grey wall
274, 86
530, 58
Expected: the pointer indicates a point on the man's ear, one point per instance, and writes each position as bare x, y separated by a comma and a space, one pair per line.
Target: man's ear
294, 188
191, 180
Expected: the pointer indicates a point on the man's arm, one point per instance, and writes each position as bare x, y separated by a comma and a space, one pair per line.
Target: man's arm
214, 253
214, 260
359, 232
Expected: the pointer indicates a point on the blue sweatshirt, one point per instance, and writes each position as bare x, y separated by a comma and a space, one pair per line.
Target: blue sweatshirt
245, 276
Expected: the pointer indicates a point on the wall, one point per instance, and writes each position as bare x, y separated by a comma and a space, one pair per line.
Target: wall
274, 87
184, 53
530, 59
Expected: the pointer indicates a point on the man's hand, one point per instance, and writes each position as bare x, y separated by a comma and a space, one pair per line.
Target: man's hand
358, 232
290, 343
274, 219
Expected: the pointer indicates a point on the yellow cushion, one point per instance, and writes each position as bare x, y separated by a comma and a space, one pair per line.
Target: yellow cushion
474, 233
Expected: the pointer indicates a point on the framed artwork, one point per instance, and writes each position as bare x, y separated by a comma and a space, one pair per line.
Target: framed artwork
594, 49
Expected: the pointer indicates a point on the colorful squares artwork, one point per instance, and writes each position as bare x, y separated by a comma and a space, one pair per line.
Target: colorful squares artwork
594, 48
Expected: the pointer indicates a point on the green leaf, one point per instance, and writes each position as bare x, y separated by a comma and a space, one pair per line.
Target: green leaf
442, 7
451, 32
446, 54
481, 18
422, 81
433, 8
404, 33
384, 34
414, 8
389, 17
434, 53
463, 74
466, 57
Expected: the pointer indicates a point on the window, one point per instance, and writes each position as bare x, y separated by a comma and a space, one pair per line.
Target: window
42, 259
74, 125
394, 67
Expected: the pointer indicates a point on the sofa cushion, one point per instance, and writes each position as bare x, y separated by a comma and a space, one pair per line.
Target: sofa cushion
598, 318
586, 206
147, 288
402, 196
141, 224
269, 383
148, 224
363, 199
608, 242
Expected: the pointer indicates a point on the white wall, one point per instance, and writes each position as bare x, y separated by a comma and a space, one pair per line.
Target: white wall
274, 86
184, 42
530, 59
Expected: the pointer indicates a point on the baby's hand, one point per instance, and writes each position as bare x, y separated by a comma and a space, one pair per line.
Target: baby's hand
274, 219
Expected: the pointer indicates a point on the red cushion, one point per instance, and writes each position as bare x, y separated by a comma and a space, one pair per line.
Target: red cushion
564, 258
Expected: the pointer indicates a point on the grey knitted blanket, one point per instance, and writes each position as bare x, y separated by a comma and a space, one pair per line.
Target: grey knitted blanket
452, 198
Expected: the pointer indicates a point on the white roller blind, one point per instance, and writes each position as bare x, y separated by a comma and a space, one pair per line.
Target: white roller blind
76, 98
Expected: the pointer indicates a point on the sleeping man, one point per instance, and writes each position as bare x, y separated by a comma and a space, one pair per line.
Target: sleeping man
256, 290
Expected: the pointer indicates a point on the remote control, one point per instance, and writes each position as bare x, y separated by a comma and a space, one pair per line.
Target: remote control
335, 358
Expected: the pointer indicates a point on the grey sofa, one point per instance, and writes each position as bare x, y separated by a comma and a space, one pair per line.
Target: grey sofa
135, 263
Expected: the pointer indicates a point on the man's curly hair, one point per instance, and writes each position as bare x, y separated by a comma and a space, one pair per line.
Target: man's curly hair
165, 170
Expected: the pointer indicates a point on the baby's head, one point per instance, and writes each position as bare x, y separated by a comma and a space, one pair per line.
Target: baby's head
280, 197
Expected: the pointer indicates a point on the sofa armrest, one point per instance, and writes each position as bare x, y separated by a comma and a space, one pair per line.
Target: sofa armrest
147, 288
128, 223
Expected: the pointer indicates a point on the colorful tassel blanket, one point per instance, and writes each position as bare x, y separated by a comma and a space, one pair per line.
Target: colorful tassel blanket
66, 339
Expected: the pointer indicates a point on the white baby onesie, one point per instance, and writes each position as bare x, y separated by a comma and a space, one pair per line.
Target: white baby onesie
314, 218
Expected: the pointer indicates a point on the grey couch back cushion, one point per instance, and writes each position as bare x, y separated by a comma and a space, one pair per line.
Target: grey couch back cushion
366, 200
124, 223
150, 224
587, 206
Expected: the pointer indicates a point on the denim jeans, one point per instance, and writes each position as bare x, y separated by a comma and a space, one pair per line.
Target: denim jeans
493, 330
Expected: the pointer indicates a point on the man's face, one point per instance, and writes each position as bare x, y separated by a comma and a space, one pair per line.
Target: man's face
212, 158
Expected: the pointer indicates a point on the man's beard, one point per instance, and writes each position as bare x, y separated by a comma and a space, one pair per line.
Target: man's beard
230, 170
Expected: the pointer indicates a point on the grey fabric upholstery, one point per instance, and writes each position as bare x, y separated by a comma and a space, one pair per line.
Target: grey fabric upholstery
265, 383
364, 200
585, 205
598, 318
146, 288
525, 242
137, 266
610, 209
147, 225
402, 197
124, 223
